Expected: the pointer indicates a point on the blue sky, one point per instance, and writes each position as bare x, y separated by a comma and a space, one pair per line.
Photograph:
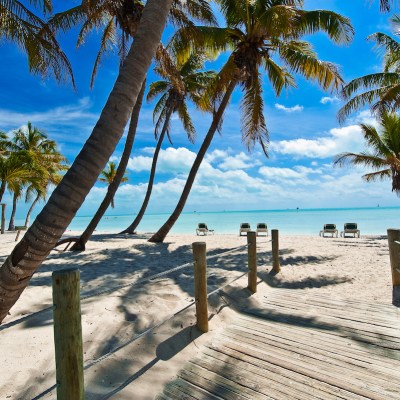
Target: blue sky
304, 132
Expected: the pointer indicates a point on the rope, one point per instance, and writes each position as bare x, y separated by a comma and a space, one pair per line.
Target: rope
140, 281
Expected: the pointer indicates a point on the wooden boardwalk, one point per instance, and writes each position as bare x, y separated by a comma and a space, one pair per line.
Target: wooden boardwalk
299, 346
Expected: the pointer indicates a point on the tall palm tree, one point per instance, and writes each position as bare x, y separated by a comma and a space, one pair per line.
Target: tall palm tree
68, 196
256, 32
383, 154
182, 81
28, 31
108, 176
379, 90
120, 21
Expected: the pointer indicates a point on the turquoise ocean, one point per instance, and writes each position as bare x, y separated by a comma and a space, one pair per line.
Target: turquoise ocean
371, 221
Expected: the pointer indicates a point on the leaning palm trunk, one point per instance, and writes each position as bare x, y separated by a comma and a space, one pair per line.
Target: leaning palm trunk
131, 228
11, 225
112, 188
28, 215
66, 199
163, 231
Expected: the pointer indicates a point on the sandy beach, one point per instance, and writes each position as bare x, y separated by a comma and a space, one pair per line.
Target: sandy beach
125, 293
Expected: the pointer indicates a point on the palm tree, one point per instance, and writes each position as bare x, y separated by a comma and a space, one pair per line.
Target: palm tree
108, 176
29, 32
120, 20
68, 196
43, 161
181, 81
12, 169
379, 90
383, 155
256, 31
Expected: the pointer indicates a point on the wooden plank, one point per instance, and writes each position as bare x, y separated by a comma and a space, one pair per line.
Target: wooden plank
217, 385
322, 340
223, 352
267, 381
371, 391
331, 354
374, 319
179, 389
345, 319
324, 362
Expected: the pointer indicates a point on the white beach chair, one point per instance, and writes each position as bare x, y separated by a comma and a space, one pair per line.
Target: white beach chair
262, 228
244, 227
202, 229
329, 229
350, 228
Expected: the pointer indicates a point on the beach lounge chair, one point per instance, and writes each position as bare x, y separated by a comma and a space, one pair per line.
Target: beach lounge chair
262, 228
245, 227
203, 229
330, 229
350, 228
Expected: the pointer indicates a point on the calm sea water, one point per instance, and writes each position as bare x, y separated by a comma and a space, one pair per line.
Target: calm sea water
371, 221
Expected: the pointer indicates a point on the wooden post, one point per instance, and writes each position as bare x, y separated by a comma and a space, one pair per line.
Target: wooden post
275, 250
68, 334
394, 252
3, 217
252, 261
200, 285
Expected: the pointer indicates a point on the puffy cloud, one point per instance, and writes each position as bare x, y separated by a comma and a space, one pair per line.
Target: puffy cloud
340, 140
296, 108
326, 100
170, 160
239, 161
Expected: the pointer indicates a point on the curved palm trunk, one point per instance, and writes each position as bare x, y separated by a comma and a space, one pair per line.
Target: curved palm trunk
11, 225
68, 196
28, 215
112, 188
163, 231
131, 228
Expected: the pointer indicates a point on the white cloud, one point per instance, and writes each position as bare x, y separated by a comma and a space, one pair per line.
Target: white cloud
170, 160
296, 108
326, 100
239, 161
340, 140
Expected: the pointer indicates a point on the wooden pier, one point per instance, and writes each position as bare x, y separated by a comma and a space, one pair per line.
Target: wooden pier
296, 345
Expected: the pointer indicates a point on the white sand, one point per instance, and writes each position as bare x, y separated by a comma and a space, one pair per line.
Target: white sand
115, 310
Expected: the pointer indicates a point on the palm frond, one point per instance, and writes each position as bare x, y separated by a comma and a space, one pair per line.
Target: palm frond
187, 123
253, 123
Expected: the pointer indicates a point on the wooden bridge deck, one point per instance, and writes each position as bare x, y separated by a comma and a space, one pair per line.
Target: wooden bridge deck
299, 346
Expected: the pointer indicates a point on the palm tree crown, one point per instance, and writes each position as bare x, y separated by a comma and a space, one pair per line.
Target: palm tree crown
108, 175
383, 155
21, 26
379, 90
119, 21
258, 33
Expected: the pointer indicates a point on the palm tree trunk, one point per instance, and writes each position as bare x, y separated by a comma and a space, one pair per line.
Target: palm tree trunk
112, 188
131, 228
28, 215
69, 195
160, 235
2, 189
11, 225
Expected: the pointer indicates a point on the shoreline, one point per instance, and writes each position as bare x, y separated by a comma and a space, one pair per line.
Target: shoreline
119, 301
